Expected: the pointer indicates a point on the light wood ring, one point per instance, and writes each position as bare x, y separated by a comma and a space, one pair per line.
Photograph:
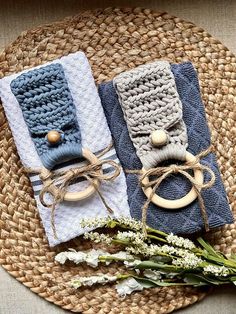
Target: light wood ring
81, 195
181, 202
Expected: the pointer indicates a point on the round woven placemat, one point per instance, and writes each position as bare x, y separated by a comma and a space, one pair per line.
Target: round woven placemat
113, 40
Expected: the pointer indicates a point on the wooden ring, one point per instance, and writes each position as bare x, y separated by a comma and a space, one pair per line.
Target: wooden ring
81, 195
181, 202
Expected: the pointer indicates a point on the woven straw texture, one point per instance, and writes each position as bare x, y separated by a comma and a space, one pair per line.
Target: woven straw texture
113, 40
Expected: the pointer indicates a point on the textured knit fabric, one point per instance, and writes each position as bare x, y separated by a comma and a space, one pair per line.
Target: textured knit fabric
150, 102
95, 136
188, 219
46, 103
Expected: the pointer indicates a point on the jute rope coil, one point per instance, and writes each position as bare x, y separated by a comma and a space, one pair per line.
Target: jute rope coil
113, 40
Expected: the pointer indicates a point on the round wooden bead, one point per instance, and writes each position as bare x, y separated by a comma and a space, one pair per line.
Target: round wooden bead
159, 138
53, 137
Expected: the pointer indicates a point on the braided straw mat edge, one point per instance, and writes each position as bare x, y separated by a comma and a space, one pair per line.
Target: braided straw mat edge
113, 40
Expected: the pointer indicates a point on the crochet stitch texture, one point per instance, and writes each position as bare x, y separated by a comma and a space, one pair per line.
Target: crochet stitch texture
46, 104
150, 102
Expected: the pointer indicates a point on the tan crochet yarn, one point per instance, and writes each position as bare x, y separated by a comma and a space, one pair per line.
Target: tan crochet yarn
150, 101
114, 40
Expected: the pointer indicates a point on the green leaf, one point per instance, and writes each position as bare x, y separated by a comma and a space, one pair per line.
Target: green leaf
170, 275
154, 265
208, 247
233, 257
149, 283
200, 280
232, 279
160, 259
150, 236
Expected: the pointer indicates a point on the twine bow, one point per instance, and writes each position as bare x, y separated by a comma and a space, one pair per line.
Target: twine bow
56, 183
160, 173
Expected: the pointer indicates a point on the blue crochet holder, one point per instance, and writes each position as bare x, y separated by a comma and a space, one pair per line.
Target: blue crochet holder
46, 103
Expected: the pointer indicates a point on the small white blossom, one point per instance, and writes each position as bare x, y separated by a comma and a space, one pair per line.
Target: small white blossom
130, 223
190, 261
168, 249
97, 222
89, 281
98, 237
132, 263
122, 255
127, 286
180, 242
136, 237
144, 249
171, 250
220, 271
90, 257
71, 255
152, 274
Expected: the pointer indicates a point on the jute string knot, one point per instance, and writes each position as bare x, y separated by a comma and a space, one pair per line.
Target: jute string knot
174, 168
161, 173
56, 183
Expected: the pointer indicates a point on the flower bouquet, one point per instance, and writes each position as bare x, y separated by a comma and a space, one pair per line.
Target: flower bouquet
151, 259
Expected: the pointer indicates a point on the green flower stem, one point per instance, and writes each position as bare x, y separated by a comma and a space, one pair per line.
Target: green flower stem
163, 283
220, 261
124, 276
151, 230
153, 265
150, 236
104, 258
211, 254
120, 242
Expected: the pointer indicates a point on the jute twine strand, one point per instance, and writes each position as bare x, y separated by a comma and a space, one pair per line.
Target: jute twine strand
114, 40
56, 183
161, 173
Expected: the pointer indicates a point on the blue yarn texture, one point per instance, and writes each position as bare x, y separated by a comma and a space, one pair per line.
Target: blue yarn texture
186, 220
46, 104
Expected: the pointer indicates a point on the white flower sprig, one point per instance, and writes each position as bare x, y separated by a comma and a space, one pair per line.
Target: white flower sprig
152, 260
97, 222
180, 242
216, 270
92, 257
98, 237
190, 261
124, 287
92, 280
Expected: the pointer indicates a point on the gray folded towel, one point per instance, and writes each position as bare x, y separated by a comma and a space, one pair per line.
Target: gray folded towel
188, 219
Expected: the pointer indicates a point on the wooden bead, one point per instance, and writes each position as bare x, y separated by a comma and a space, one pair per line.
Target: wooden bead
53, 137
159, 138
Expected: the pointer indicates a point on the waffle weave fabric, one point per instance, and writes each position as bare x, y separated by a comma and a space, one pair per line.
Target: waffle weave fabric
95, 135
46, 104
150, 102
186, 220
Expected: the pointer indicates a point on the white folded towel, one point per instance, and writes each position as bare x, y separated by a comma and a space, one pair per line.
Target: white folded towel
95, 136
